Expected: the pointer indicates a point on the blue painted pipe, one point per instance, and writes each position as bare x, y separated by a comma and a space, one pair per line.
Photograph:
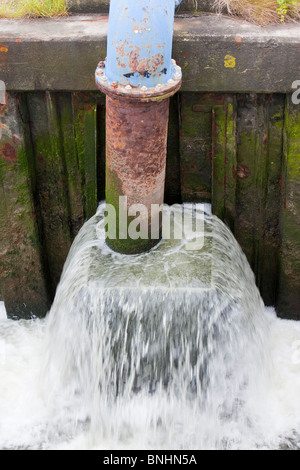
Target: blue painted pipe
139, 42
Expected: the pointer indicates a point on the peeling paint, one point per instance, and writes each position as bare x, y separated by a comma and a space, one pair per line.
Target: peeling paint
139, 43
9, 153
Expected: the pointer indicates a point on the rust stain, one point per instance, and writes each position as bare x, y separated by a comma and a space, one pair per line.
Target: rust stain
142, 65
155, 61
9, 153
121, 50
142, 26
243, 171
284, 206
41, 158
136, 136
100, 18
198, 108
234, 172
282, 184
265, 143
121, 64
150, 65
134, 59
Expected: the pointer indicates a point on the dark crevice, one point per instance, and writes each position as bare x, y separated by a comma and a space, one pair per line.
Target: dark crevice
32, 158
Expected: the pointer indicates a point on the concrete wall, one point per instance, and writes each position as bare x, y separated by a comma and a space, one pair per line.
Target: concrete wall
102, 6
234, 140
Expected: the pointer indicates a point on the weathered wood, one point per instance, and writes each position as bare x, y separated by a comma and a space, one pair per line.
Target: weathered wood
196, 145
246, 181
259, 145
101, 145
22, 277
70, 161
51, 180
48, 175
228, 151
273, 142
172, 185
224, 162
289, 281
251, 177
85, 127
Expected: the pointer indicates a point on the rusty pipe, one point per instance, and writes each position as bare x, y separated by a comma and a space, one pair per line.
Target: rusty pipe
137, 113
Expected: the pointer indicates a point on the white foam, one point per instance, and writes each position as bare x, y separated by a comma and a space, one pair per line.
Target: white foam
42, 405
34, 415
3, 313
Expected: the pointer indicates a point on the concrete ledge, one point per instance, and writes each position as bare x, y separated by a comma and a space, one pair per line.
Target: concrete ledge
217, 54
102, 6
88, 6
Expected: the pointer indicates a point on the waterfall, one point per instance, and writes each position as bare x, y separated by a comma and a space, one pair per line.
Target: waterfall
169, 349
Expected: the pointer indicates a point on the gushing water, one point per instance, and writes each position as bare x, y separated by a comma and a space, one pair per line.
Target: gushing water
170, 349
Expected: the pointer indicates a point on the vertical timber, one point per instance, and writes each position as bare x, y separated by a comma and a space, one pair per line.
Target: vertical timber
224, 155
22, 280
289, 282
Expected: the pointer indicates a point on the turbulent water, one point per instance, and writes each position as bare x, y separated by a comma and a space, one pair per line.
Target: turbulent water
170, 349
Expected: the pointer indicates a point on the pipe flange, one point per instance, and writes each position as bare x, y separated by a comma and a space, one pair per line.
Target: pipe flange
160, 92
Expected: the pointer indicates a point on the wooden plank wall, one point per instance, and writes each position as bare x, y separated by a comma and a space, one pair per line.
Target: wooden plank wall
238, 151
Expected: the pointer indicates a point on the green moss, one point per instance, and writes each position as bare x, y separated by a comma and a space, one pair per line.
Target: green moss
293, 142
85, 134
131, 247
196, 145
219, 161
127, 245
32, 8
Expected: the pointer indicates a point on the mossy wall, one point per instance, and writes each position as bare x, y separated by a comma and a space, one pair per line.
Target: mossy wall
238, 151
